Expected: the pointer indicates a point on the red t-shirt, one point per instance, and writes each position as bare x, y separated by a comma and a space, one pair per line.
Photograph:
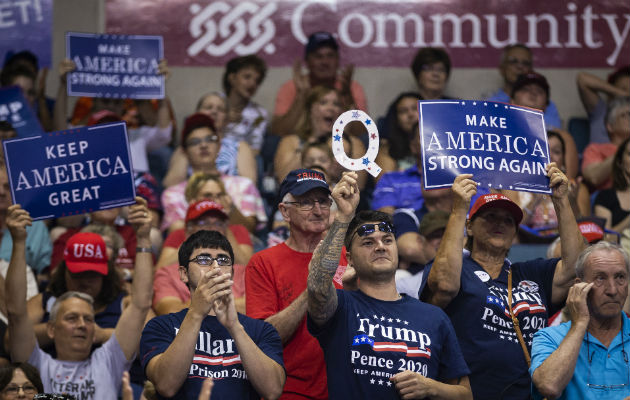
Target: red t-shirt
275, 277
177, 237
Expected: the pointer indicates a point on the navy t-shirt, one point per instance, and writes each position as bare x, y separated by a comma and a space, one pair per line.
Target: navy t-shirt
216, 354
368, 340
484, 328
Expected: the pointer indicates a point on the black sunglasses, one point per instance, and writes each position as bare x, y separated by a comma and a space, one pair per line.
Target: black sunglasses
367, 229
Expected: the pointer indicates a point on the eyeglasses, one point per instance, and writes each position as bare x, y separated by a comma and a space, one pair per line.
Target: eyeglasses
590, 359
433, 68
308, 204
13, 390
206, 260
516, 61
206, 139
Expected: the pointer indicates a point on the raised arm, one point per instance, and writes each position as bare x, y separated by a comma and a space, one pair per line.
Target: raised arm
60, 110
558, 364
129, 326
284, 124
21, 333
590, 86
571, 239
322, 296
443, 282
265, 374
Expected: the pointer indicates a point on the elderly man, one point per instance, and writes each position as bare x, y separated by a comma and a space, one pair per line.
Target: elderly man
77, 370
322, 59
484, 294
275, 281
588, 356
516, 60
377, 343
210, 339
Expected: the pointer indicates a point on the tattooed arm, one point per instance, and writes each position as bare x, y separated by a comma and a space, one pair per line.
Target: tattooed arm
322, 297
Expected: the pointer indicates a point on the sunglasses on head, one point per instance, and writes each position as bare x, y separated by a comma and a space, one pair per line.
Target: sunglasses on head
367, 229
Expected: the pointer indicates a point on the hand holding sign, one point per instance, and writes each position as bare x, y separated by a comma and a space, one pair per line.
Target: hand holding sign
502, 145
356, 164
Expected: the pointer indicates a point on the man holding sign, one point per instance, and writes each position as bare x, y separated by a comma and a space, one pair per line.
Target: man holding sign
77, 370
484, 294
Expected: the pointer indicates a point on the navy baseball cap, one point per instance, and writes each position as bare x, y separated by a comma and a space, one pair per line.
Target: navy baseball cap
320, 39
300, 181
531, 77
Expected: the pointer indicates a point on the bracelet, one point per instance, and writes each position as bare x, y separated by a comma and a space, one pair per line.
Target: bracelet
144, 250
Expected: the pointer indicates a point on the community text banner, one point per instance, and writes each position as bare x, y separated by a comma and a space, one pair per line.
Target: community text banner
116, 66
15, 110
502, 145
71, 172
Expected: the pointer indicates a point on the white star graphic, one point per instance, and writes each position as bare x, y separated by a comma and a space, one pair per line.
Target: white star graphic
375, 316
363, 339
382, 318
357, 314
390, 320
372, 381
397, 319
406, 323
356, 340
389, 383
501, 337
380, 382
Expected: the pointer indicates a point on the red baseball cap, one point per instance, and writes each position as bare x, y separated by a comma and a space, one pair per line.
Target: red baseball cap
591, 231
196, 210
86, 251
497, 200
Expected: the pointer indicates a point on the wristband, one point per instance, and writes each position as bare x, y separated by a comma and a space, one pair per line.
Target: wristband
144, 250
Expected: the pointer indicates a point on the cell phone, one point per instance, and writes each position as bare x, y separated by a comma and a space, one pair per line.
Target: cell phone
53, 396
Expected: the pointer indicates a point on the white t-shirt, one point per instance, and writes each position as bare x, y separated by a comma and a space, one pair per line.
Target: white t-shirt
96, 378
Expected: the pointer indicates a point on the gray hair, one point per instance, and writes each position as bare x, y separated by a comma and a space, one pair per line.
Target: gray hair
67, 295
287, 197
582, 260
612, 111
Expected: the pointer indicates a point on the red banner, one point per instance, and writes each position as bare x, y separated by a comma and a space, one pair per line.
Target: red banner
576, 34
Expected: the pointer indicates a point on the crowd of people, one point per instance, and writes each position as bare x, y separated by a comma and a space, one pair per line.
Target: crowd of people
252, 265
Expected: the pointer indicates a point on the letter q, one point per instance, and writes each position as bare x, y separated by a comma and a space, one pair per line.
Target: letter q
365, 162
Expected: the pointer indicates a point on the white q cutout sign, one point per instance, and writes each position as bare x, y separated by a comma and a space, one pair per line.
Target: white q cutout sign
366, 162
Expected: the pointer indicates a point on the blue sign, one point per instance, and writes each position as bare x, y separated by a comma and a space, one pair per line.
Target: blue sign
116, 66
26, 25
71, 172
15, 109
502, 145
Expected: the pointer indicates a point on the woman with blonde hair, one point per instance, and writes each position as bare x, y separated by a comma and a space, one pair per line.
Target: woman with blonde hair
321, 109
